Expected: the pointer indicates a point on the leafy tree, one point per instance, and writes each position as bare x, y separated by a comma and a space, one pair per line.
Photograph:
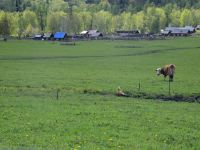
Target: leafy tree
127, 21
155, 19
140, 21
105, 5
175, 17
8, 5
186, 18
85, 20
196, 16
41, 10
30, 30
116, 23
151, 21
5, 25
57, 5
20, 25
75, 24
27, 23
106, 15
30, 18
161, 17
55, 21
102, 21
168, 10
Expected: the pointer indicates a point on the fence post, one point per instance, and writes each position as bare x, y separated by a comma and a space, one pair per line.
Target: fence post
57, 94
169, 87
139, 87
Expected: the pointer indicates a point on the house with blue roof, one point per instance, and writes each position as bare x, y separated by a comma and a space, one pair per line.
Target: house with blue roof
60, 35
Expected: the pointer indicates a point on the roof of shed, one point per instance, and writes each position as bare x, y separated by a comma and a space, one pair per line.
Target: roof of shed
59, 35
180, 31
47, 35
84, 32
98, 34
92, 31
38, 36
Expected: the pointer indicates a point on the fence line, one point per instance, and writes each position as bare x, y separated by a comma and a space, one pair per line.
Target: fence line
58, 93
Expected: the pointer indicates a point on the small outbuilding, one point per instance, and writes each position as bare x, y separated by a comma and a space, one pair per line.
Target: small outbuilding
60, 35
48, 36
198, 27
38, 37
94, 34
178, 31
127, 33
165, 32
83, 33
191, 29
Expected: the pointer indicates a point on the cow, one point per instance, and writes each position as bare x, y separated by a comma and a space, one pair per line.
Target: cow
167, 70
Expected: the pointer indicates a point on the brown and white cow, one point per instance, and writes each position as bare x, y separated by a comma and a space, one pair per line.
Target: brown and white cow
167, 70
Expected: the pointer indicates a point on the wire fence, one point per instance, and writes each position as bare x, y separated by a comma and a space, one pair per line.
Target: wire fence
56, 93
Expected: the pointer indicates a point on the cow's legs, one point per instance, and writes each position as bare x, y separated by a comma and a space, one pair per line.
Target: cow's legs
164, 78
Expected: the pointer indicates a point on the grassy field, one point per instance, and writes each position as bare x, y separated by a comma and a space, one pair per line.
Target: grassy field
87, 114
101, 65
97, 122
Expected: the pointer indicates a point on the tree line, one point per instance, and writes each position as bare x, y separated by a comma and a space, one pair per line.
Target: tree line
25, 18
114, 6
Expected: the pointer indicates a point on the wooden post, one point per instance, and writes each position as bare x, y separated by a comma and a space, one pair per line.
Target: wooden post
169, 87
139, 87
57, 94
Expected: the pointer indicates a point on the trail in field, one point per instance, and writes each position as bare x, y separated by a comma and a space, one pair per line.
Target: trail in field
93, 56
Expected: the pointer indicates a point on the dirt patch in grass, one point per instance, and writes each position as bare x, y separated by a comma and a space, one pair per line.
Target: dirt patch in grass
156, 96
166, 97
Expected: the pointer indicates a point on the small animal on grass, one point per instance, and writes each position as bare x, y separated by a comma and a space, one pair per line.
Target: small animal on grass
167, 70
120, 92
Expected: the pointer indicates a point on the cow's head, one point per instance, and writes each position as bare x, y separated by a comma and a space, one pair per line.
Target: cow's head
158, 71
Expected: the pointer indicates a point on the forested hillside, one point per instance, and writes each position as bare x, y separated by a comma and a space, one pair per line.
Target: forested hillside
27, 17
115, 6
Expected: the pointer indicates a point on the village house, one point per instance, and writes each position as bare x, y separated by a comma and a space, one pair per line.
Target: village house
178, 31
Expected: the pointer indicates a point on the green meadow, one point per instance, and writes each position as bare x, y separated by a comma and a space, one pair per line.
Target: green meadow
55, 96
